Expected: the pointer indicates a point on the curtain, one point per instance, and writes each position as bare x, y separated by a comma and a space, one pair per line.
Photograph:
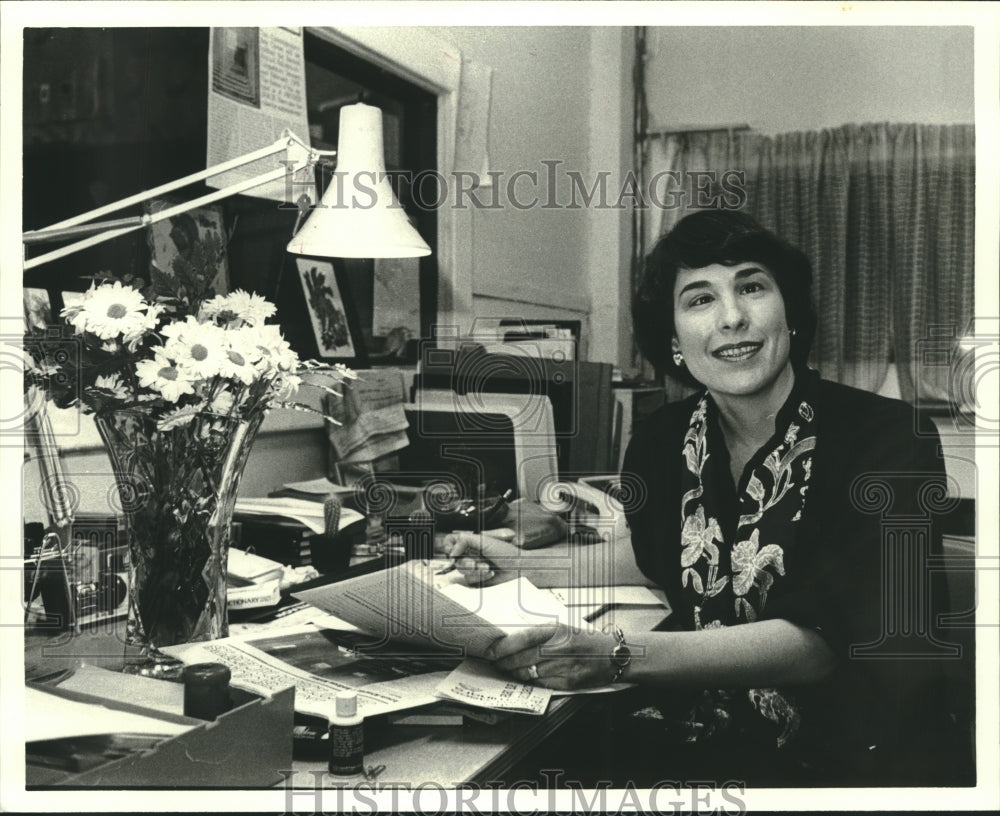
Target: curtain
933, 225
884, 213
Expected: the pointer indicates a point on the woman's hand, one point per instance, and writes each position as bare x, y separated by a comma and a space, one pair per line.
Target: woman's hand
481, 557
556, 656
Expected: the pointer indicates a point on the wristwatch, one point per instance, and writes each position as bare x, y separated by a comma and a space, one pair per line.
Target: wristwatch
620, 656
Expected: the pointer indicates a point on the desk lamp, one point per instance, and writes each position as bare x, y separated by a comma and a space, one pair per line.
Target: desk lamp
358, 216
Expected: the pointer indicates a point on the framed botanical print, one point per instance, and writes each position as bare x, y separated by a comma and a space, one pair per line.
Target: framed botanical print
327, 312
190, 246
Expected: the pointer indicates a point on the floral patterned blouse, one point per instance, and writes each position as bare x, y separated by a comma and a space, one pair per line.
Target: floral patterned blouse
796, 538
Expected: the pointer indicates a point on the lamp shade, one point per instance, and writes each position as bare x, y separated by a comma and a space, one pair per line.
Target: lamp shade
359, 216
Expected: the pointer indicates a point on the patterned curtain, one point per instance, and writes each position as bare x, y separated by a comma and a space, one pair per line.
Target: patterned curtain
885, 214
933, 225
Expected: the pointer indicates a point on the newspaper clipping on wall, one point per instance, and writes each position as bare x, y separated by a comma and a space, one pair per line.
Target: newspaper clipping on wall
257, 89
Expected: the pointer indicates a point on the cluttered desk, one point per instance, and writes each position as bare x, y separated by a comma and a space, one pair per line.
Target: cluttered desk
401, 632
430, 716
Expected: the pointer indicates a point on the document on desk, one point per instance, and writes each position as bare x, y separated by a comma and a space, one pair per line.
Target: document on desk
593, 601
478, 683
409, 604
320, 662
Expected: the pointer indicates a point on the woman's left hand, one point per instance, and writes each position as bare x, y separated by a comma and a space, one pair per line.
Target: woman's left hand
556, 656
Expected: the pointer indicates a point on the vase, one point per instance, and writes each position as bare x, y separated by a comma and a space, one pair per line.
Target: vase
176, 488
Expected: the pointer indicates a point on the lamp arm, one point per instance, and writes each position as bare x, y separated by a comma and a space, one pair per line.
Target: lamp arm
300, 156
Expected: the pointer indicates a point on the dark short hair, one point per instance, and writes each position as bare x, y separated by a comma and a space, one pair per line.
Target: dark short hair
711, 237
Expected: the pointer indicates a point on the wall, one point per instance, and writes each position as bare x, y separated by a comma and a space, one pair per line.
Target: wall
537, 262
788, 78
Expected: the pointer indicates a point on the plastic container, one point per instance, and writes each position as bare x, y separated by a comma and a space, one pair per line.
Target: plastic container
347, 736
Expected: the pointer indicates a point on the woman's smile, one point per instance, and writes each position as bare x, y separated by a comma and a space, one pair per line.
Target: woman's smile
737, 352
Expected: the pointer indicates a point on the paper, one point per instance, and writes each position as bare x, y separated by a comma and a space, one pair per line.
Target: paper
257, 89
55, 717
321, 662
321, 488
590, 599
373, 420
127, 688
476, 682
306, 512
404, 604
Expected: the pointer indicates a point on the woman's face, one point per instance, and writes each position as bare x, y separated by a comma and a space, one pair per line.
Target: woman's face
731, 328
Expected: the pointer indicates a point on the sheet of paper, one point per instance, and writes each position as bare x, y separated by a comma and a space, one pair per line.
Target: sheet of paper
161, 695
403, 604
597, 596
261, 672
53, 717
476, 682
320, 487
289, 618
307, 512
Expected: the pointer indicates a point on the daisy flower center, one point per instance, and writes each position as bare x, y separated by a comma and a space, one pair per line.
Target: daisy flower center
198, 352
167, 373
236, 358
116, 311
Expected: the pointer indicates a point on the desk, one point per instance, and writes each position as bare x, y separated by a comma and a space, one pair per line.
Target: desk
413, 755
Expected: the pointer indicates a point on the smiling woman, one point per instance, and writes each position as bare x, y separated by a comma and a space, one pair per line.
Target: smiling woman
792, 655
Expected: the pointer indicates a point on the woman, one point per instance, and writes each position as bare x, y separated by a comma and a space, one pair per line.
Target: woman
758, 527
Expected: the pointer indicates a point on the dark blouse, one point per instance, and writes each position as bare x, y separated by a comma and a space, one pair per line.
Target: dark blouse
857, 572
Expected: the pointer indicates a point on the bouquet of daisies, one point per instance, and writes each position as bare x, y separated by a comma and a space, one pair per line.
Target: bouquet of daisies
169, 357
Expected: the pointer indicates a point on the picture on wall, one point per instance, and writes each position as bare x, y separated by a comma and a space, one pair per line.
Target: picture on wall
191, 246
327, 312
236, 64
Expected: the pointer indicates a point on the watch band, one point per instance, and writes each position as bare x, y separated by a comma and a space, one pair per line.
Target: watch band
620, 656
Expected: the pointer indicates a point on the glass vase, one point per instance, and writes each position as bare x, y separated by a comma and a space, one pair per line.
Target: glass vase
177, 487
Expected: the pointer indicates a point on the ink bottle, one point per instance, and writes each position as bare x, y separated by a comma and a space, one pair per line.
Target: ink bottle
206, 690
347, 736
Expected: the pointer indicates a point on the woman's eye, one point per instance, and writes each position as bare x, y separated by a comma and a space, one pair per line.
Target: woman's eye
752, 286
699, 300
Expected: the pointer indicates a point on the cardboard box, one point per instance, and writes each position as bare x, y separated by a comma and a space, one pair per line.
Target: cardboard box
247, 747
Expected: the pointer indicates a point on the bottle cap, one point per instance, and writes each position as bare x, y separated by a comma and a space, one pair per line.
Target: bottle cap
347, 703
207, 674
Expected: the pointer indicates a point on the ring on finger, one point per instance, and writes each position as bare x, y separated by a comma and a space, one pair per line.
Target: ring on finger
533, 672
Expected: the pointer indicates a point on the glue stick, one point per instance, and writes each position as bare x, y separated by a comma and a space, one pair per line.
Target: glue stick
347, 736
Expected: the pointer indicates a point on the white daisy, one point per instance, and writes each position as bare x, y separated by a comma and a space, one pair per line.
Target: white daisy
247, 307
198, 348
143, 327
177, 417
241, 353
276, 353
162, 375
109, 310
285, 386
114, 384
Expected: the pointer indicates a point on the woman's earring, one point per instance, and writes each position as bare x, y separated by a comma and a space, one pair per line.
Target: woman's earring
792, 332
678, 359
